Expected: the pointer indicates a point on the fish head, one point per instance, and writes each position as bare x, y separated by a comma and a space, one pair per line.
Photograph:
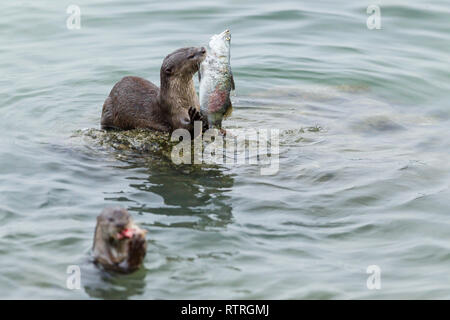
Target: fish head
219, 44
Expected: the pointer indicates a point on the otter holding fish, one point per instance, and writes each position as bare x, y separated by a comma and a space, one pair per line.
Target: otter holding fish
135, 103
216, 81
119, 244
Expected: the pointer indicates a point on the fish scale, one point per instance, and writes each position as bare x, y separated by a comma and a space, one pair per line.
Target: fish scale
216, 80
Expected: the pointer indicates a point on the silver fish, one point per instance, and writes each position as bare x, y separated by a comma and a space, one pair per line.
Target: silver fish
216, 80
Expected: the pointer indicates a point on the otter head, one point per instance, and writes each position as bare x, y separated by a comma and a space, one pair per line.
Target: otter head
219, 44
182, 63
114, 224
177, 86
119, 244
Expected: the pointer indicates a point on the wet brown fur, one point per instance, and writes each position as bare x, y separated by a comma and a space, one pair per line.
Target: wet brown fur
137, 103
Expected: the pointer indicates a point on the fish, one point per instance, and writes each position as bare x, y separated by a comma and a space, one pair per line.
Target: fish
216, 81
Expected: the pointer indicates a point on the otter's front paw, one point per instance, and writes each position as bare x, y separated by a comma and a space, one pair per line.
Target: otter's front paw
137, 249
195, 115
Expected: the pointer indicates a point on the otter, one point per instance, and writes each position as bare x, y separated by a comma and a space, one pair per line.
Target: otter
119, 244
135, 103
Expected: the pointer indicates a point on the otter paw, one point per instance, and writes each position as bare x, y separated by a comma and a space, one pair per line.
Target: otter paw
136, 251
196, 115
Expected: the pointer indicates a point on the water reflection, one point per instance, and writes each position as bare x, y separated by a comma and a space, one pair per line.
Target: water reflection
101, 284
191, 191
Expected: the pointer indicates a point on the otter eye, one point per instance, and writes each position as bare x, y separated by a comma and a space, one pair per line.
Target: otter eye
191, 56
168, 71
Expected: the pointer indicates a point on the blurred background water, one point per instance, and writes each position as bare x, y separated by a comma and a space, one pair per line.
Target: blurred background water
370, 186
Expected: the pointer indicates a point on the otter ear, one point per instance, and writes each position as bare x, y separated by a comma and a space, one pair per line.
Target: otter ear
168, 71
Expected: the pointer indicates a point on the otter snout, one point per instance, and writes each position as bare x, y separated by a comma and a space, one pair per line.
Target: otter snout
196, 53
200, 57
121, 225
200, 54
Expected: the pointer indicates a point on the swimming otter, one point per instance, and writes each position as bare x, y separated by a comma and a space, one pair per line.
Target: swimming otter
137, 103
119, 244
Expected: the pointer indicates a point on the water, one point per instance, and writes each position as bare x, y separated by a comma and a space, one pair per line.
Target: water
368, 186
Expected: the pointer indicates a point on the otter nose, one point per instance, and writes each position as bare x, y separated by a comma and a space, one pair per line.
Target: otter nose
120, 225
202, 50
